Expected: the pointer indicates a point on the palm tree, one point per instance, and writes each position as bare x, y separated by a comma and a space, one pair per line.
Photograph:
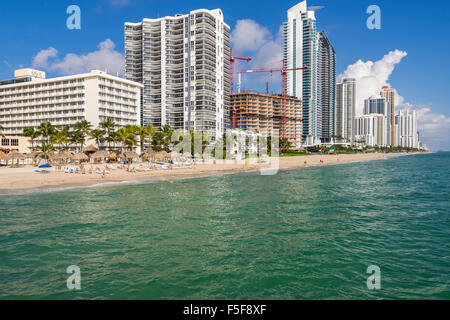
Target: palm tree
46, 129
32, 134
78, 137
61, 138
98, 135
84, 128
109, 127
143, 133
126, 137
46, 150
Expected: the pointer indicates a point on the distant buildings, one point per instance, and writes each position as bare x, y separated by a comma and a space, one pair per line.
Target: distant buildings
370, 130
30, 99
389, 95
262, 113
345, 109
301, 49
184, 64
327, 87
377, 105
406, 134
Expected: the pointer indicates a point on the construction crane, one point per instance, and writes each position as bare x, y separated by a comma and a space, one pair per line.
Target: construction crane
284, 72
232, 62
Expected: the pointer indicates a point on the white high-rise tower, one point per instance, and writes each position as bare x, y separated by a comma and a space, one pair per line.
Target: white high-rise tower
301, 45
184, 64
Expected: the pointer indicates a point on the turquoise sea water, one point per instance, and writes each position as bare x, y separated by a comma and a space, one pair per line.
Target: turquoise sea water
308, 233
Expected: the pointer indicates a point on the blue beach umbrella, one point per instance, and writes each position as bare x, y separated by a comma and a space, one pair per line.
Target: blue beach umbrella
45, 166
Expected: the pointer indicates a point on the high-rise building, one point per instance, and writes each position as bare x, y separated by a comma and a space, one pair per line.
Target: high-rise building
345, 109
262, 113
406, 129
301, 45
31, 98
389, 95
370, 130
379, 105
326, 87
184, 64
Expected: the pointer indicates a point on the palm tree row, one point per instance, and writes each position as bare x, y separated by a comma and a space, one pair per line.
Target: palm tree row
127, 137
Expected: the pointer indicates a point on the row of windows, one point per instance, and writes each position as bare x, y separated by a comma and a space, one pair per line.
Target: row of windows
10, 142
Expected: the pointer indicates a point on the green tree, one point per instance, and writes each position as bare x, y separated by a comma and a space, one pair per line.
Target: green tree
109, 126
78, 138
143, 133
126, 137
46, 129
84, 128
46, 150
32, 134
98, 135
61, 138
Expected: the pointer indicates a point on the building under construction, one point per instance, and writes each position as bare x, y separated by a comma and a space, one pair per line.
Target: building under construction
262, 113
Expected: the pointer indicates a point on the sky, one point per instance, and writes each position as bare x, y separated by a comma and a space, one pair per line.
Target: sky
410, 52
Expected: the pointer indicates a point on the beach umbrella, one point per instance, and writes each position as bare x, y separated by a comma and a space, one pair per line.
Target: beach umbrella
102, 154
80, 157
149, 150
159, 156
15, 156
2, 155
131, 155
90, 148
45, 166
112, 155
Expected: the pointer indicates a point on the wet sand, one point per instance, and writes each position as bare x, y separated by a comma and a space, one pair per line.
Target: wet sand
24, 180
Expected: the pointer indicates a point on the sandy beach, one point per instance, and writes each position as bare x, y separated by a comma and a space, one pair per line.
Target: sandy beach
24, 179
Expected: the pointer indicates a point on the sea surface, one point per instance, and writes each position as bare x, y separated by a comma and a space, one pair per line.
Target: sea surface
308, 233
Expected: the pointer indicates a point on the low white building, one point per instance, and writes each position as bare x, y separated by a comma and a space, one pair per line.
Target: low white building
406, 134
371, 130
30, 99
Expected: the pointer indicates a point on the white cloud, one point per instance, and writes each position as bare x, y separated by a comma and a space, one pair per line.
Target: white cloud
250, 39
371, 76
434, 129
106, 57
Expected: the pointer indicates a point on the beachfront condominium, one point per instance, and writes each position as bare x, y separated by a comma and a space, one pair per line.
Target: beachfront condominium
370, 130
406, 134
378, 105
389, 95
345, 109
262, 113
301, 45
30, 99
184, 64
326, 86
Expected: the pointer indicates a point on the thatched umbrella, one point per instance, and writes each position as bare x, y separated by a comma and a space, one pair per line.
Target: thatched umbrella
174, 154
15, 156
101, 154
80, 157
2, 155
131, 155
90, 148
63, 155
112, 155
159, 156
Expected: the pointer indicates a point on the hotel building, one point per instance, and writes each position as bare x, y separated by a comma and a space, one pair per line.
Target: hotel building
184, 64
370, 130
301, 45
406, 134
30, 99
262, 113
345, 109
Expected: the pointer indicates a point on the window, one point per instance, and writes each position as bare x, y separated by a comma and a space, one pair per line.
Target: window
15, 142
5, 142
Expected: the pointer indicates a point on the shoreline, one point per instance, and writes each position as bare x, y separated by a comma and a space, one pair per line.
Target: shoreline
19, 181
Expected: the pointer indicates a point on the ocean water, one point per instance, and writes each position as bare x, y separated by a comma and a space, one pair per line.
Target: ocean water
308, 233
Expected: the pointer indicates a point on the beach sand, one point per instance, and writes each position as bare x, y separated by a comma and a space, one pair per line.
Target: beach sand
22, 180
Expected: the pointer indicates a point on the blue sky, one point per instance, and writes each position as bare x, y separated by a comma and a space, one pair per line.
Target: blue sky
417, 27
